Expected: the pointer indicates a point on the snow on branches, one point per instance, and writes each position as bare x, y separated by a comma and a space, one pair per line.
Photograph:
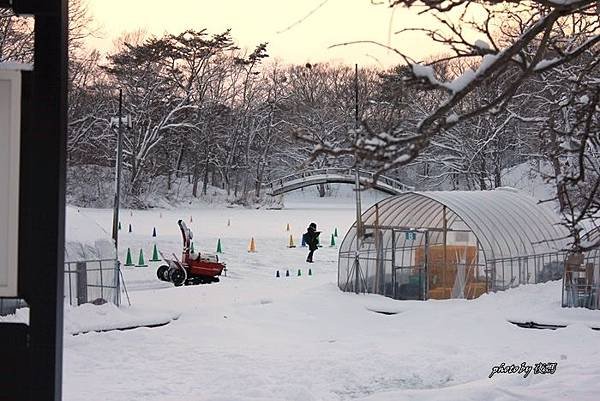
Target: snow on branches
504, 59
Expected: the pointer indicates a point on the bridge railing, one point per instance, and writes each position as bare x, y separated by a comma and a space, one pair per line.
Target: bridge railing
366, 177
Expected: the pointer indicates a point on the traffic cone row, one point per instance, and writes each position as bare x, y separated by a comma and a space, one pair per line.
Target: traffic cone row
287, 273
332, 243
130, 229
141, 261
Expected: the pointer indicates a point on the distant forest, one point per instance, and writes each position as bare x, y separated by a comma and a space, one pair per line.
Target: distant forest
212, 115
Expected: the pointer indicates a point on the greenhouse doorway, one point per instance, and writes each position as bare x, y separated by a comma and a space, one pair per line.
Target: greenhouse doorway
409, 271
435, 264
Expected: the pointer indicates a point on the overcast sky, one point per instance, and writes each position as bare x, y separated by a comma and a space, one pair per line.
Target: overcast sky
276, 22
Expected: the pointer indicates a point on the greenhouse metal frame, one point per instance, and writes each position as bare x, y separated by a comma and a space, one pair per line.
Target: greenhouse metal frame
452, 244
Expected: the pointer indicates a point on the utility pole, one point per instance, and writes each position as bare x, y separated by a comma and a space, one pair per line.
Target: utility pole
359, 226
118, 121
115, 227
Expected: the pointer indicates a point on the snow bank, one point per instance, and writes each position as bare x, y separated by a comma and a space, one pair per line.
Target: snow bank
88, 317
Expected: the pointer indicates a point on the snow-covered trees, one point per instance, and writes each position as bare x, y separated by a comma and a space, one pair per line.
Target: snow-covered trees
520, 81
16, 37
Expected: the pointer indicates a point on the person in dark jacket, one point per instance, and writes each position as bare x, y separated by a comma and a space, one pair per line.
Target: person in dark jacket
311, 238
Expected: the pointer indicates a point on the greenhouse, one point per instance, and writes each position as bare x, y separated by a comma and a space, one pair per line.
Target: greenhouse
452, 244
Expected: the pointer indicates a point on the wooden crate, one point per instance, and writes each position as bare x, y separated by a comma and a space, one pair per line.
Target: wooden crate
439, 293
442, 276
475, 290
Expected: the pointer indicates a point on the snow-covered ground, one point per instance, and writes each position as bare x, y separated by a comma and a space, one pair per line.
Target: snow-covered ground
255, 337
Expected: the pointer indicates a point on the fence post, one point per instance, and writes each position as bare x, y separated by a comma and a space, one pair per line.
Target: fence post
82, 297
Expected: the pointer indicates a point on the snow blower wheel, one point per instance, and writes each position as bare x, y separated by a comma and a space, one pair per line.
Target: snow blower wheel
177, 277
162, 273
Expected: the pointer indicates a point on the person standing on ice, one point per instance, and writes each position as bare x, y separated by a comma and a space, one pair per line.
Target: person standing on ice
311, 238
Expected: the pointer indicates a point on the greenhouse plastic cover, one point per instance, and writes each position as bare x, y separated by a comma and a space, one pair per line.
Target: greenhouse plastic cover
506, 222
85, 240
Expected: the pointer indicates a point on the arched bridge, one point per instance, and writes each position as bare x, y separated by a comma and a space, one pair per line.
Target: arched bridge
333, 175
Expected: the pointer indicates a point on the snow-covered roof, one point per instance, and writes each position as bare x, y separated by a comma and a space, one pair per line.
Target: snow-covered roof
506, 222
85, 240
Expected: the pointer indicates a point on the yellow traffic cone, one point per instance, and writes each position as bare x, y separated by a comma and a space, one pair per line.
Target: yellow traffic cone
252, 247
291, 244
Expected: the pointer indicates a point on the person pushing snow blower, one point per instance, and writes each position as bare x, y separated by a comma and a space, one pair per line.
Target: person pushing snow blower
311, 238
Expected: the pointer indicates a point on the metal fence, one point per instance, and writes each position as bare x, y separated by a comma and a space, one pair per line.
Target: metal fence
511, 272
96, 281
416, 269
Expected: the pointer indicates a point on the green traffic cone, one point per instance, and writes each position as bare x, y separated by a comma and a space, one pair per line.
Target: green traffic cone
299, 272
141, 262
332, 244
155, 257
219, 248
287, 273
119, 225
192, 248
129, 227
154, 231
277, 275
310, 272
335, 232
128, 261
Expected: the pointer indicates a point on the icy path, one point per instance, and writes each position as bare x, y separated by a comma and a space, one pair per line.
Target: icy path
256, 337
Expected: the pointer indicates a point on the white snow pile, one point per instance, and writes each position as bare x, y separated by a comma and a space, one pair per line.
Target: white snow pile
88, 317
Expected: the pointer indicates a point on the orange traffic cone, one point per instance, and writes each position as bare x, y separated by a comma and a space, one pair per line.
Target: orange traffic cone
252, 247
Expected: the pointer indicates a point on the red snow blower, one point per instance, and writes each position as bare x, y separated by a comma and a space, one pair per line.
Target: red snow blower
194, 268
